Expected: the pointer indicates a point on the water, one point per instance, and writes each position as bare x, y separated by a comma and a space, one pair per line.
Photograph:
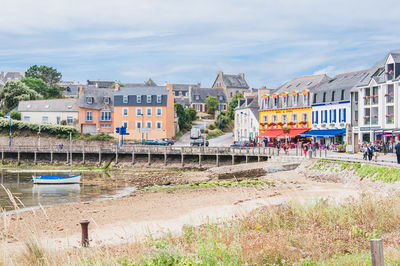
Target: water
95, 186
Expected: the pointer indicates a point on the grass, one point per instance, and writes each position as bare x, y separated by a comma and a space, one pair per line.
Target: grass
210, 184
214, 133
363, 170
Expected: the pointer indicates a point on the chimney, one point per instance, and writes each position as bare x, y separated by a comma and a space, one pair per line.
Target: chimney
116, 87
80, 90
220, 73
241, 75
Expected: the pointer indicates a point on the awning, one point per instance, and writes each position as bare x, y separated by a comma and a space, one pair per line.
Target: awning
323, 133
294, 132
271, 133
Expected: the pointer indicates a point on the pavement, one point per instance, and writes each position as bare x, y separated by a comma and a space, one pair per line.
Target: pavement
222, 141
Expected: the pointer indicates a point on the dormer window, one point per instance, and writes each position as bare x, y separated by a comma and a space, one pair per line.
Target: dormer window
220, 98
158, 98
197, 97
125, 99
139, 99
89, 100
107, 100
148, 98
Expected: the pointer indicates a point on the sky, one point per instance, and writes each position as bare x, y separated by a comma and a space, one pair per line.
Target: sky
190, 41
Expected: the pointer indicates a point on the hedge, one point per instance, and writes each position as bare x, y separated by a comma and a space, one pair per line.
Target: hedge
34, 127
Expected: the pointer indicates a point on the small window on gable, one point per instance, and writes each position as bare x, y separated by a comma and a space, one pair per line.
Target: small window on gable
125, 99
148, 98
89, 100
139, 99
158, 98
324, 97
197, 97
107, 100
342, 96
333, 96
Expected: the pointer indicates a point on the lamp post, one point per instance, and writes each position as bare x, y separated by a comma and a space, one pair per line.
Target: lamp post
9, 134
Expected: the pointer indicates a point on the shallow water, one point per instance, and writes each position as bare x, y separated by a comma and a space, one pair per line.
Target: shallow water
27, 194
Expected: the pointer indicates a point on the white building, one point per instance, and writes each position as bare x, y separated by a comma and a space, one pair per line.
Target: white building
375, 104
52, 111
331, 108
246, 119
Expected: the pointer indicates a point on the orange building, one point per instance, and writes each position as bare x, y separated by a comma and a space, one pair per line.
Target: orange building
147, 112
96, 110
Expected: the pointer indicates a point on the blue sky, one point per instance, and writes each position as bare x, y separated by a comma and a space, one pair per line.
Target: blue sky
189, 41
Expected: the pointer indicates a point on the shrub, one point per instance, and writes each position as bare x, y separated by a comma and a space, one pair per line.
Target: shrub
18, 126
211, 126
100, 137
15, 115
214, 133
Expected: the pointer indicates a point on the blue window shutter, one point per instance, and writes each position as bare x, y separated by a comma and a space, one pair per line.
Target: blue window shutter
344, 115
316, 117
322, 116
326, 116
312, 117
330, 116
340, 115
334, 116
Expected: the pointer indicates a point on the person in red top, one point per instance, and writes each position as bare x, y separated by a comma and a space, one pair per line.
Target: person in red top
305, 149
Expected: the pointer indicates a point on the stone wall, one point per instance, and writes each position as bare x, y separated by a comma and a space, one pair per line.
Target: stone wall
45, 141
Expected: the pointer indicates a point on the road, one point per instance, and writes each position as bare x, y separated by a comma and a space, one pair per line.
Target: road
185, 139
222, 141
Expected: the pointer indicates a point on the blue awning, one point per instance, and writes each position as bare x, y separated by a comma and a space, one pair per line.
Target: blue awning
323, 133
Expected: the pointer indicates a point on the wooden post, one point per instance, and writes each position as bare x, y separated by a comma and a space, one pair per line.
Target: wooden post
320, 153
51, 157
83, 154
377, 252
148, 157
247, 159
258, 158
99, 155
133, 155
116, 154
165, 158
34, 157
19, 157
217, 160
233, 159
182, 163
2, 156
67, 156
199, 159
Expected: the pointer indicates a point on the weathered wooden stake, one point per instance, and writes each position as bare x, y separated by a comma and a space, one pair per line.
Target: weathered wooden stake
233, 159
19, 157
377, 252
85, 233
199, 160
51, 157
34, 157
148, 157
165, 158
217, 160
83, 154
133, 156
116, 154
99, 155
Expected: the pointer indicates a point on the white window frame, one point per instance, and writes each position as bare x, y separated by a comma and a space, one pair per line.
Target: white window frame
87, 116
138, 123
159, 98
89, 100
27, 118
149, 123
159, 123
138, 98
123, 123
148, 99
43, 119
70, 118
151, 112
125, 99
158, 109
107, 100
123, 112
139, 112
105, 125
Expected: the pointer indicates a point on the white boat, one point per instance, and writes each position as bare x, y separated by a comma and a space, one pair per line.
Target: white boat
57, 179
51, 189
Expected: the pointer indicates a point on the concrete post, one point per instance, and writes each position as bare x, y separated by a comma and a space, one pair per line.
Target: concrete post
116, 154
233, 159
149, 157
83, 154
247, 159
99, 155
199, 159
51, 157
34, 157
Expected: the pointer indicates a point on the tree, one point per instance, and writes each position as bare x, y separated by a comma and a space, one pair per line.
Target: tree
15, 91
41, 87
182, 117
191, 113
232, 105
48, 74
119, 83
212, 104
15, 115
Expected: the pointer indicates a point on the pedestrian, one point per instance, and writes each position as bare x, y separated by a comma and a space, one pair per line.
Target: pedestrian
314, 149
278, 146
364, 151
370, 152
265, 142
305, 149
397, 148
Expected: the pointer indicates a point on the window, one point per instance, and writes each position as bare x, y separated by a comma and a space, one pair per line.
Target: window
107, 100
158, 125
89, 116
45, 119
148, 98
342, 96
125, 124
334, 116
315, 98
306, 99
265, 118
180, 93
70, 120
139, 99
27, 118
105, 116
304, 116
295, 99
197, 97
367, 96
58, 120
375, 95
367, 116
274, 118
158, 98
148, 124
324, 97
148, 111
139, 111
125, 99
105, 125
284, 119
285, 100
138, 125
275, 102
294, 118
390, 115
389, 93
125, 112
89, 100
333, 96
158, 112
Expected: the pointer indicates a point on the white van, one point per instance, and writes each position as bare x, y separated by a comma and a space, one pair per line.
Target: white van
195, 133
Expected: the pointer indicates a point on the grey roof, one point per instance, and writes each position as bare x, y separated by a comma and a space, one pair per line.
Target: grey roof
98, 95
182, 100
100, 83
12, 76
142, 90
252, 104
301, 83
199, 95
53, 105
133, 92
234, 81
333, 88
184, 87
71, 89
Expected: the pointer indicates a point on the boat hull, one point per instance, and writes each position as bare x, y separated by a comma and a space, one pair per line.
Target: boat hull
60, 179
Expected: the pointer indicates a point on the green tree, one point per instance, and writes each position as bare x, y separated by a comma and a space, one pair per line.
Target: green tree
48, 74
119, 83
232, 105
15, 115
54, 92
183, 119
15, 91
191, 113
42, 88
211, 104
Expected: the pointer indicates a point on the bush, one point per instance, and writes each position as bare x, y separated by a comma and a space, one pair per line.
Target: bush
214, 133
18, 126
15, 115
100, 137
211, 126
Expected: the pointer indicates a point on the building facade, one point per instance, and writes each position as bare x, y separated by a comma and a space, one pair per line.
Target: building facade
231, 84
198, 98
96, 110
181, 92
289, 106
147, 112
246, 119
55, 111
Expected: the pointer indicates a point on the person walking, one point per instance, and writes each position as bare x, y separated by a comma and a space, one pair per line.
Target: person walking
314, 149
370, 152
397, 148
364, 151
305, 149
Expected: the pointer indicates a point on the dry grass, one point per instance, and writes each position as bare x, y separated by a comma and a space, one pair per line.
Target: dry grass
317, 234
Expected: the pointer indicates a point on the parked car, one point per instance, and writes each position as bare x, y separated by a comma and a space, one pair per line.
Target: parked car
195, 133
155, 142
168, 140
199, 142
241, 144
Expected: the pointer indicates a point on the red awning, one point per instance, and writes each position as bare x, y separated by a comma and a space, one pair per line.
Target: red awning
293, 132
271, 133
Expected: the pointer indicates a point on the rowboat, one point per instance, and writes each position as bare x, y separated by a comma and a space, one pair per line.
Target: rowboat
57, 179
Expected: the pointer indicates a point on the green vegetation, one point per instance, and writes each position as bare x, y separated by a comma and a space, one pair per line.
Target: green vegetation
214, 133
185, 116
47, 74
211, 184
15, 115
13, 92
18, 126
98, 137
211, 104
363, 170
